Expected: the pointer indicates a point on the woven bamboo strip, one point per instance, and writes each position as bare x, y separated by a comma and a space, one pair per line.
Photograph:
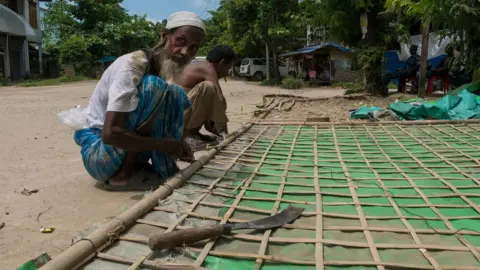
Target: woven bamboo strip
325, 203
222, 194
410, 228
328, 150
329, 263
309, 214
212, 185
404, 123
227, 215
347, 195
320, 263
426, 199
456, 138
227, 186
296, 176
329, 242
363, 220
337, 166
305, 142
336, 228
466, 133
280, 151
202, 173
223, 157
276, 206
452, 165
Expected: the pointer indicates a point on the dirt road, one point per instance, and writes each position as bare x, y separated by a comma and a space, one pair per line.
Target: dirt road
39, 153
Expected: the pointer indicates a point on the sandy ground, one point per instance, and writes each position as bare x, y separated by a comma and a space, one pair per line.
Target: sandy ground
39, 153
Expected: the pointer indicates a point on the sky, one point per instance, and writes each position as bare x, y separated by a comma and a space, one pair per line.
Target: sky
158, 10
161, 9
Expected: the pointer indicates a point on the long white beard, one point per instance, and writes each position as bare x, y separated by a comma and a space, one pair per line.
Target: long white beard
171, 71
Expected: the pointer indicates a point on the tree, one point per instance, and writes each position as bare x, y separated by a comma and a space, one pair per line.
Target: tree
74, 52
455, 18
104, 27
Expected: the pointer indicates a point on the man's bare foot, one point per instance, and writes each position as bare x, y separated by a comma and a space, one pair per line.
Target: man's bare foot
120, 179
207, 138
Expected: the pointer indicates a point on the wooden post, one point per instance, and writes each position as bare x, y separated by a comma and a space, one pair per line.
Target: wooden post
6, 60
423, 60
267, 57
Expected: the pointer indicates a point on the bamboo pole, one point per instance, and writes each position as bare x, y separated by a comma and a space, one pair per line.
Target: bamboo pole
80, 251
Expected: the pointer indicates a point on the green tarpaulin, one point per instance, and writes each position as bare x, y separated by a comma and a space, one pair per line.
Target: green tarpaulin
465, 105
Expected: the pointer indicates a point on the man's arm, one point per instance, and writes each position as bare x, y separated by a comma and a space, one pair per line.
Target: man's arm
123, 99
115, 133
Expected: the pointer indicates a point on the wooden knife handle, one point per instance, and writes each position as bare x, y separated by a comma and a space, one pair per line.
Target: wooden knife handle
187, 236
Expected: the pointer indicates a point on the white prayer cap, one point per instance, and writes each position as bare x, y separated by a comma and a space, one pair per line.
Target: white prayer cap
184, 18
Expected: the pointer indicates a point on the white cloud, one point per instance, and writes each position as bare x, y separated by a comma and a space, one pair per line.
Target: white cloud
198, 3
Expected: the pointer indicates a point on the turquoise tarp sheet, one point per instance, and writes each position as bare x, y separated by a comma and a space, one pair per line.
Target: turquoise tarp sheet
464, 105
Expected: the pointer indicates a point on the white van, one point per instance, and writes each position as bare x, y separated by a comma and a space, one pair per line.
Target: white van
256, 68
199, 59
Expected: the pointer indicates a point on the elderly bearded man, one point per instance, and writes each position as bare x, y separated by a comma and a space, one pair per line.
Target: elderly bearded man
135, 113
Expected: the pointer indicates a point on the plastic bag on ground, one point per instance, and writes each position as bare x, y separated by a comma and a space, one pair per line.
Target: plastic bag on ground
75, 118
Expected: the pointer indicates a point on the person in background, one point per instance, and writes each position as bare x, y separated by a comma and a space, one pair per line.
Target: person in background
412, 65
209, 106
458, 74
135, 114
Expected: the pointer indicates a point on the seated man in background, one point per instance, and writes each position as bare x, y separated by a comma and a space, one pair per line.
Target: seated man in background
411, 67
135, 116
201, 83
444, 66
458, 74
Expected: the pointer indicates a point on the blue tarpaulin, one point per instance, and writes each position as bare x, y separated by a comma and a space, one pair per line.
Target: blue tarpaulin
107, 59
312, 49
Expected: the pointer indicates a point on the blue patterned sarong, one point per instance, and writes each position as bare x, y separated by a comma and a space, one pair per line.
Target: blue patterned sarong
169, 100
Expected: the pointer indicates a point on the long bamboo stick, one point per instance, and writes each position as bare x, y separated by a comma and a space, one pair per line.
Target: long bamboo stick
76, 254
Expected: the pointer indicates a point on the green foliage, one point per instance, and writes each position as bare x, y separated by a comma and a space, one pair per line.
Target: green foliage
269, 82
476, 75
370, 62
101, 27
292, 83
56, 81
457, 18
350, 87
74, 51
353, 91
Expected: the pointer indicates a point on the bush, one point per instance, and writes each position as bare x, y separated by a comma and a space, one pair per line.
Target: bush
74, 51
269, 82
354, 91
292, 83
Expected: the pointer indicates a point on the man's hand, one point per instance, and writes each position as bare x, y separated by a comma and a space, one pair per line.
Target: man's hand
187, 154
173, 147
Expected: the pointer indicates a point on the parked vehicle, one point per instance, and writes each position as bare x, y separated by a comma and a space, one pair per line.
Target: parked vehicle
199, 59
256, 68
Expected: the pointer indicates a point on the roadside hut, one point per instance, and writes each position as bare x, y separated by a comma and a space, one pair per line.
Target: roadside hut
322, 63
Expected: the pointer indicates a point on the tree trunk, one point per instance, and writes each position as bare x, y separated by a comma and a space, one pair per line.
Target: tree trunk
276, 72
267, 57
423, 60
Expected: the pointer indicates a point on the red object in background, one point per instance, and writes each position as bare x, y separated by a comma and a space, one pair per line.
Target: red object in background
445, 83
403, 83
